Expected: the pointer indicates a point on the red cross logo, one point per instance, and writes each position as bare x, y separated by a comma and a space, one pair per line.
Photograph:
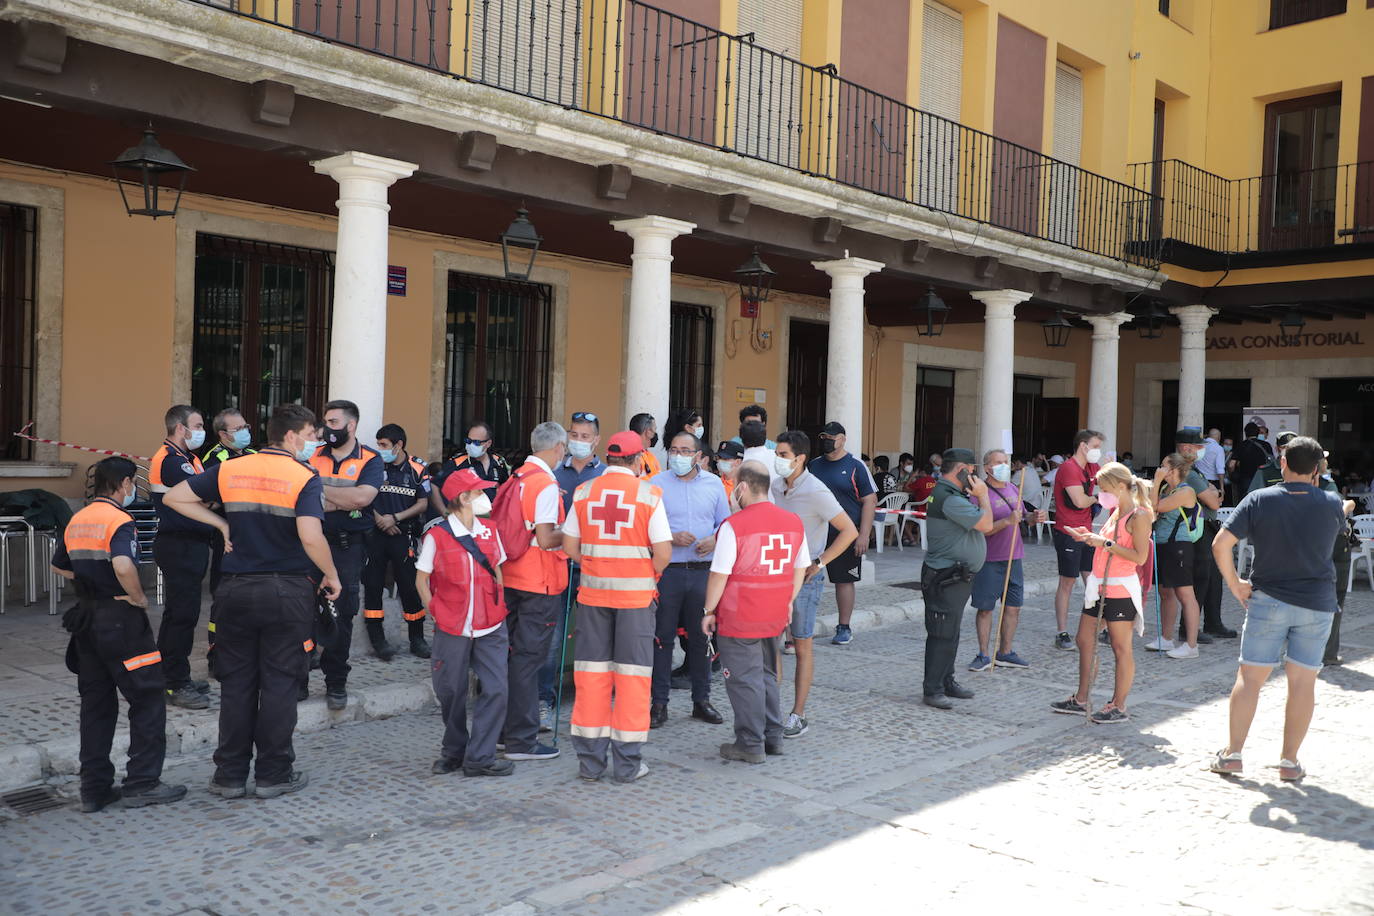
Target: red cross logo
610, 516
776, 554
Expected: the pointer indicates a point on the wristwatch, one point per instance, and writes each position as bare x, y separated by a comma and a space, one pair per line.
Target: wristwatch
1108, 544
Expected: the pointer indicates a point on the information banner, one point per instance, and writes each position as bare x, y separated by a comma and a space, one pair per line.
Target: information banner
1276, 419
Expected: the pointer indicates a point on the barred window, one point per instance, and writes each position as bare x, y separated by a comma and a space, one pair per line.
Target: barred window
262, 316
496, 359
18, 335
691, 362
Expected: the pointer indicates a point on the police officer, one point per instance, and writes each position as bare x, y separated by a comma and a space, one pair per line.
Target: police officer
235, 437
646, 427
392, 541
182, 552
958, 518
275, 558
479, 458
352, 476
112, 646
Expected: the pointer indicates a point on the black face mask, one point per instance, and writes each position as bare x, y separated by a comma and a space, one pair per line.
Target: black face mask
653, 440
335, 437
827, 446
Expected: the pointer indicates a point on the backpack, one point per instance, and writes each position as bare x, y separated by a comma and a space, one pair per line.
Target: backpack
508, 518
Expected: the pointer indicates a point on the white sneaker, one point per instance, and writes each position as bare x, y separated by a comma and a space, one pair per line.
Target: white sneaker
545, 717
1159, 644
1182, 650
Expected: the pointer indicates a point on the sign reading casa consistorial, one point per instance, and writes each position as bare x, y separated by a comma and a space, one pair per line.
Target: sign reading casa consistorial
1279, 341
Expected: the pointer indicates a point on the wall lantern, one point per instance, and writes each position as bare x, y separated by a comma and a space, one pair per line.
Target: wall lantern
933, 311
1292, 323
519, 238
755, 283
1150, 323
1056, 331
152, 170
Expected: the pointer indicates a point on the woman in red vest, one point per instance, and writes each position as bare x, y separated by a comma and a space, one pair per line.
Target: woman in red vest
458, 577
756, 572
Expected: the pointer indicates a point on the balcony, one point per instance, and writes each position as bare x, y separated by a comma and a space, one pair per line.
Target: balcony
1207, 222
642, 66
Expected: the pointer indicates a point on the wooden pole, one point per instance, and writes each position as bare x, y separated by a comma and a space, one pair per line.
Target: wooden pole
995, 638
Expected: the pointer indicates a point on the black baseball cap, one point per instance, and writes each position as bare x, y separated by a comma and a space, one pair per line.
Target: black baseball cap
832, 429
730, 450
1188, 436
959, 456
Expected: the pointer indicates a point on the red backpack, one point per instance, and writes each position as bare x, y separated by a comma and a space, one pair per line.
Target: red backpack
508, 517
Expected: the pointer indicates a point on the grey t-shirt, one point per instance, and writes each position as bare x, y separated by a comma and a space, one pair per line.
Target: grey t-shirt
1292, 527
951, 537
813, 502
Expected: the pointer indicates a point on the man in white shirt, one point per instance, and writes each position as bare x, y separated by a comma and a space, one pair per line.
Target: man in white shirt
754, 437
1211, 464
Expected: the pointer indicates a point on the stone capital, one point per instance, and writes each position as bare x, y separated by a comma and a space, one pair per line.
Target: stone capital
1108, 327
1193, 318
848, 271
1000, 303
653, 227
364, 166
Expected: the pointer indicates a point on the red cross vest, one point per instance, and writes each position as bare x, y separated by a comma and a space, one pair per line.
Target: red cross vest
459, 582
757, 601
613, 513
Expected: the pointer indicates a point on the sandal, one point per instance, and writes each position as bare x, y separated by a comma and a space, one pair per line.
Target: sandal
1291, 770
1227, 764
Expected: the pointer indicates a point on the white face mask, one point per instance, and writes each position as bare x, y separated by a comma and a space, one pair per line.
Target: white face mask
579, 449
725, 466
481, 505
783, 466
1001, 472
195, 439
698, 431
681, 465
908, 468
1094, 455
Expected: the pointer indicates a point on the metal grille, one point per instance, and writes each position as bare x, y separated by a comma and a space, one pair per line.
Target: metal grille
33, 800
262, 316
18, 332
691, 363
496, 359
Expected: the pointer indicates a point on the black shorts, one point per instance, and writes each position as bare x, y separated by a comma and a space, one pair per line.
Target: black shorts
1112, 610
847, 567
1176, 564
1075, 558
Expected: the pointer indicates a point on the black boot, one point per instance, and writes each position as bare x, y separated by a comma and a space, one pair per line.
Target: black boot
377, 635
418, 646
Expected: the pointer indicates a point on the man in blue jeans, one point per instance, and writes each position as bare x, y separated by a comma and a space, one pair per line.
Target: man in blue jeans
1289, 600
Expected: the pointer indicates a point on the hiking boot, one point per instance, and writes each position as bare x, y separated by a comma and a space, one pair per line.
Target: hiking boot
658, 715
497, 767
937, 700
227, 790
377, 636
188, 697
418, 646
445, 765
773, 748
956, 690
294, 783
202, 686
733, 751
335, 698
97, 803
159, 793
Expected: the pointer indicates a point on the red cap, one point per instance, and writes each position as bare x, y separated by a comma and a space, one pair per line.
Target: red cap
460, 481
625, 444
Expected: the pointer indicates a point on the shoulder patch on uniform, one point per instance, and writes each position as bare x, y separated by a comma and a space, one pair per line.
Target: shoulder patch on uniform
188, 467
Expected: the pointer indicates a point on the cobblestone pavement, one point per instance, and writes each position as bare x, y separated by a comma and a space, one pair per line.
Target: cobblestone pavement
884, 806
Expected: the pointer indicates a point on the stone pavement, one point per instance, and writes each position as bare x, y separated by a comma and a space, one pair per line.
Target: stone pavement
884, 806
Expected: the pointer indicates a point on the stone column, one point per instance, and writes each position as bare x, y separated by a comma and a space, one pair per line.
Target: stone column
647, 349
1104, 376
844, 371
1192, 362
999, 353
357, 342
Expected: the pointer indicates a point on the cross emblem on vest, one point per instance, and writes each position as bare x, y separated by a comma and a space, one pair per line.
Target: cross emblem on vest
610, 516
776, 554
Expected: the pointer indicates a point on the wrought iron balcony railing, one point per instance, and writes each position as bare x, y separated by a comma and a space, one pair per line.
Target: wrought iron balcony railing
1198, 212
626, 60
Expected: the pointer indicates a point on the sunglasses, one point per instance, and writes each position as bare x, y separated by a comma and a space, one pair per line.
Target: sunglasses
583, 416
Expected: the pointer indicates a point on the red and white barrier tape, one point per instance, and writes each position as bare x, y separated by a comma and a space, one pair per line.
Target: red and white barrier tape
23, 434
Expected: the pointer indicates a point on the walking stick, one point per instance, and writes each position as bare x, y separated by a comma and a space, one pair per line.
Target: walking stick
562, 658
1006, 579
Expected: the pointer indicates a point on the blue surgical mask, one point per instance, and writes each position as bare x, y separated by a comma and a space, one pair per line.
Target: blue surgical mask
129, 497
195, 439
243, 438
681, 465
308, 450
475, 450
579, 450
1001, 472
1261, 437
388, 456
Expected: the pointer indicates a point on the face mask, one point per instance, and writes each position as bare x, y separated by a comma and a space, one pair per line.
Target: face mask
828, 446
129, 497
1094, 455
653, 440
1261, 437
475, 450
783, 466
309, 449
335, 437
1001, 472
388, 456
698, 431
579, 450
1226, 449
243, 438
481, 505
1108, 501
195, 439
681, 465
908, 468
726, 467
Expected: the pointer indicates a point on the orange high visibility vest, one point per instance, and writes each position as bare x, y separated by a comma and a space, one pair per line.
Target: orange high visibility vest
613, 513
91, 530
649, 464
155, 483
543, 572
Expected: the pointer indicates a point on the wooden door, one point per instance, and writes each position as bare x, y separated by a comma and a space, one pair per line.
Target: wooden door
808, 344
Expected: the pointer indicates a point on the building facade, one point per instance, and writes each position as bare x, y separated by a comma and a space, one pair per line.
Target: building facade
1205, 225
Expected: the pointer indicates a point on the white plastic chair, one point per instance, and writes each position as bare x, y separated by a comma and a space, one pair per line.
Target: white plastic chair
1364, 528
1243, 547
886, 507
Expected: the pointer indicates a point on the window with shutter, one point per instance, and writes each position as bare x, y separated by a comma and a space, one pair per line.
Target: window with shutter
768, 81
526, 46
1062, 219
942, 77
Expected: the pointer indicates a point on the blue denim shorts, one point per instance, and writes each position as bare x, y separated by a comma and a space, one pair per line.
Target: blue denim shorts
804, 608
987, 585
1271, 623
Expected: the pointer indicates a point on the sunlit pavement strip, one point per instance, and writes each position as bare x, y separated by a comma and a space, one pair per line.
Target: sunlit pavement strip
885, 806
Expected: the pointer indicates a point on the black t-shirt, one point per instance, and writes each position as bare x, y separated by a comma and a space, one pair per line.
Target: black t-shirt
1250, 456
